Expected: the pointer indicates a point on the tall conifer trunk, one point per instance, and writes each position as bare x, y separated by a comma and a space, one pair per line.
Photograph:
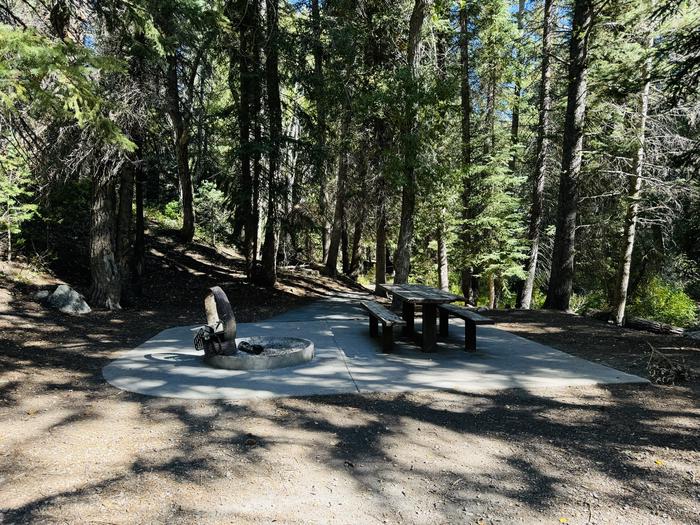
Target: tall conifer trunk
139, 259
339, 213
181, 141
256, 112
345, 245
466, 150
105, 288
320, 102
441, 51
517, 89
123, 248
274, 113
410, 146
359, 224
443, 271
634, 194
562, 277
542, 162
247, 214
380, 249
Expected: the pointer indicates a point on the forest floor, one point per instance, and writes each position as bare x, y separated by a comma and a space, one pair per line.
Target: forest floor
74, 449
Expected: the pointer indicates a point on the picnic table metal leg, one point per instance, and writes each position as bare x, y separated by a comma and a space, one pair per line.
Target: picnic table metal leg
444, 323
429, 327
469, 336
408, 311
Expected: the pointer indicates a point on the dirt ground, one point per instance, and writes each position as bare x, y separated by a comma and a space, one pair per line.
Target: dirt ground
74, 449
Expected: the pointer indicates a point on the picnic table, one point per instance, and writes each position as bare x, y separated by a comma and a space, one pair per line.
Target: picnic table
429, 298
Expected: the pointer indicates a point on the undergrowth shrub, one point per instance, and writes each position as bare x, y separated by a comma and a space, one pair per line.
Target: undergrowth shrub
664, 302
172, 210
583, 303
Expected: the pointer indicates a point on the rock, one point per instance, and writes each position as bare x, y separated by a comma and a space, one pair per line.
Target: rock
41, 295
68, 301
693, 335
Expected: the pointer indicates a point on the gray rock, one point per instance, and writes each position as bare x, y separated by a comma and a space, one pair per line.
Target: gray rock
693, 335
68, 301
41, 295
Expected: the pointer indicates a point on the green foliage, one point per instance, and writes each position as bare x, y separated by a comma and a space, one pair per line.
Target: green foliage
584, 303
168, 216
57, 79
15, 196
172, 210
538, 299
62, 100
211, 212
664, 302
498, 226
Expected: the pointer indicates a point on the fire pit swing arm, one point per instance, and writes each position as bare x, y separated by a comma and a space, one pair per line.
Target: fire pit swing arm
218, 336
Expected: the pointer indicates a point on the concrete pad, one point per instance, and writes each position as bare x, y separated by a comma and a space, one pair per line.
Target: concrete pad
169, 366
349, 361
343, 307
502, 360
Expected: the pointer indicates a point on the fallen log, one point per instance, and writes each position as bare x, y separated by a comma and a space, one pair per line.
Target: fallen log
656, 327
637, 323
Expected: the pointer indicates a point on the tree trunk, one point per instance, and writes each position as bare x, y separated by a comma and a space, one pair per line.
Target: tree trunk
139, 259
344, 246
409, 140
562, 276
634, 194
442, 45
467, 281
248, 116
354, 268
9, 232
517, 89
274, 112
443, 270
380, 251
343, 164
492, 291
254, 226
105, 289
124, 252
542, 162
320, 155
289, 234
181, 138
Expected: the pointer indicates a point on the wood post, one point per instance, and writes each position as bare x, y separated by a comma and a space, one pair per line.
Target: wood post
387, 338
429, 327
444, 323
373, 326
469, 336
408, 311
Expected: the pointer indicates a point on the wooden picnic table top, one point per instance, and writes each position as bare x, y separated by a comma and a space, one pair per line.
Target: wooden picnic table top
420, 294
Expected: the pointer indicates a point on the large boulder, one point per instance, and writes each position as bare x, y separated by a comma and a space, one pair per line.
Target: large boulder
68, 301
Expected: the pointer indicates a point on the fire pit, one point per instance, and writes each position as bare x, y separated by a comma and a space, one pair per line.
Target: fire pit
277, 352
217, 339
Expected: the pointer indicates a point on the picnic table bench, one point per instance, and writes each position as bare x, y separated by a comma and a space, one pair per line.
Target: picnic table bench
389, 319
471, 321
